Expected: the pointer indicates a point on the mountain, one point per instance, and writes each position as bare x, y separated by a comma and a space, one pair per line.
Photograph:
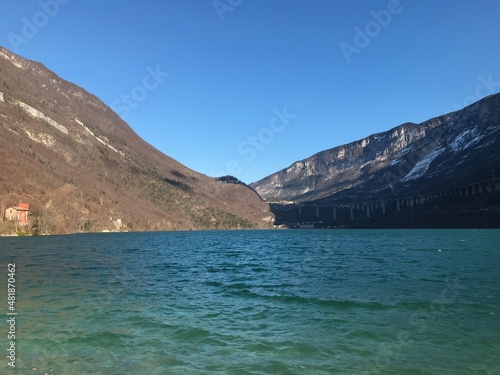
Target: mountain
452, 150
80, 167
442, 173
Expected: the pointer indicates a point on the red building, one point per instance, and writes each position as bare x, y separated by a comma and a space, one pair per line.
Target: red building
21, 213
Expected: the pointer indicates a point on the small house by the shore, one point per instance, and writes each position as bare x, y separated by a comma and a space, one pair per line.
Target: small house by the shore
21, 213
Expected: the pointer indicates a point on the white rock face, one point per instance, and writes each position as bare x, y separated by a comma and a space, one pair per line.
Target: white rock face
1, 97
99, 139
15, 61
39, 115
45, 139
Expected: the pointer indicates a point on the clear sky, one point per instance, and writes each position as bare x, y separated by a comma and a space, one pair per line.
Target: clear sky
247, 87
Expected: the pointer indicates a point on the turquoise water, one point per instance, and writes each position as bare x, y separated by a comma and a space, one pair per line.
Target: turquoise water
255, 302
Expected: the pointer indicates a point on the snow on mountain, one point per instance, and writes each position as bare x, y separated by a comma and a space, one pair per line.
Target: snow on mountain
448, 150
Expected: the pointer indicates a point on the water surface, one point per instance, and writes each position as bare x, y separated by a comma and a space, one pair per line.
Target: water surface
256, 302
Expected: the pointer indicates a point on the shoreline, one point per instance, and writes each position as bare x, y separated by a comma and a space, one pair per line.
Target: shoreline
245, 230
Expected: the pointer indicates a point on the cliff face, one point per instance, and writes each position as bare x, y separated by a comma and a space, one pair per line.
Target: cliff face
451, 150
75, 161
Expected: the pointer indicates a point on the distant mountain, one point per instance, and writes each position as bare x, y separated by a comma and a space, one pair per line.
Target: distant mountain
448, 151
81, 167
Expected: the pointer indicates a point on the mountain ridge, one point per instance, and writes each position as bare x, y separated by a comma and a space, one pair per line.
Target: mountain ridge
397, 161
74, 159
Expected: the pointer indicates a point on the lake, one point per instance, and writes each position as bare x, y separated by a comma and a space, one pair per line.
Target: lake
254, 302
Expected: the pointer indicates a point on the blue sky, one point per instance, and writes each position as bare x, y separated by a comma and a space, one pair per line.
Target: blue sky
247, 87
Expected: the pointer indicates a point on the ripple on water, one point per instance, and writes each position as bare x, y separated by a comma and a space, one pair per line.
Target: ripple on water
258, 302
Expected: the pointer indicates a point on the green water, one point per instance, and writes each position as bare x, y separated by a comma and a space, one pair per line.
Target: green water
255, 302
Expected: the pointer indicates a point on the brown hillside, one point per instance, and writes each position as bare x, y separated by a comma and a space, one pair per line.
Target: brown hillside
81, 167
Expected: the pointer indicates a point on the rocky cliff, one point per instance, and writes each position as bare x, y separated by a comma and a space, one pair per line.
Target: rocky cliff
81, 167
455, 149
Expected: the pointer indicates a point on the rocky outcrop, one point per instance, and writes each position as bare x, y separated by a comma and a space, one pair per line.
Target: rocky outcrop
458, 148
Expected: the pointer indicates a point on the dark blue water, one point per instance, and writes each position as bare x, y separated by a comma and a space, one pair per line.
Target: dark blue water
255, 302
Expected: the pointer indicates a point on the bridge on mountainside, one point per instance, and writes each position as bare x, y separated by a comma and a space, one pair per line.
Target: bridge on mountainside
476, 205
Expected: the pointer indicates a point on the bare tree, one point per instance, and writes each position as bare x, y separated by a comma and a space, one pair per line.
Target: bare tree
41, 223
